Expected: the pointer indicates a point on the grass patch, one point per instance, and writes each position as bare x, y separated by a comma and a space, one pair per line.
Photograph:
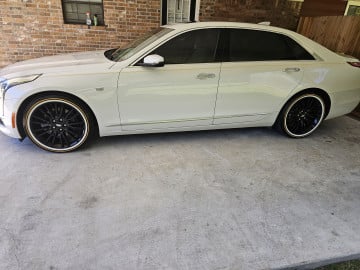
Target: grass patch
349, 265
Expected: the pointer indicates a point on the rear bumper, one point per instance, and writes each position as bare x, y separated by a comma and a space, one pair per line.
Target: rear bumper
343, 102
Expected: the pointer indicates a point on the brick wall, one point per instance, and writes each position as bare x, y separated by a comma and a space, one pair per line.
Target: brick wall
282, 13
34, 28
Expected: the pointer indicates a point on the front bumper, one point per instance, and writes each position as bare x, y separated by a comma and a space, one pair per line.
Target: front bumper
6, 112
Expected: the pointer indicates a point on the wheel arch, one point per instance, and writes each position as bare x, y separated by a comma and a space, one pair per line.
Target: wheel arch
279, 123
322, 93
26, 102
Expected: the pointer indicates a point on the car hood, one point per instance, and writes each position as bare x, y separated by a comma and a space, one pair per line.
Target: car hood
58, 61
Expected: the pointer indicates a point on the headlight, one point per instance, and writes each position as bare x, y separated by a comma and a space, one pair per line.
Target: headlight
8, 83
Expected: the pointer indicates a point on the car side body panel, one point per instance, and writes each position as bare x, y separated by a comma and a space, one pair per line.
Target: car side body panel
97, 89
168, 97
344, 93
250, 91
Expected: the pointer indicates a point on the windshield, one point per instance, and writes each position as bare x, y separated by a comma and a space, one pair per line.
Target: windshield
137, 45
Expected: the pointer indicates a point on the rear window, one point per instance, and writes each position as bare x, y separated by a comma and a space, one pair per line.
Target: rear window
255, 45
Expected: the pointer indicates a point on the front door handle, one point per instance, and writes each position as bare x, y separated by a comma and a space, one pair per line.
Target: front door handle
204, 76
292, 69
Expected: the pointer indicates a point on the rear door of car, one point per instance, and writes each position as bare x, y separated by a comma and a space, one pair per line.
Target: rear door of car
258, 72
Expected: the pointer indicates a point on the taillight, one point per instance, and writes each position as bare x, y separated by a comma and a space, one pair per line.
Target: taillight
355, 64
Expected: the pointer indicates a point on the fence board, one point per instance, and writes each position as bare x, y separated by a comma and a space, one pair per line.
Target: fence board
338, 33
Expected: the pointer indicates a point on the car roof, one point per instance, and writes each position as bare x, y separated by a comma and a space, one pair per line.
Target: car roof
194, 25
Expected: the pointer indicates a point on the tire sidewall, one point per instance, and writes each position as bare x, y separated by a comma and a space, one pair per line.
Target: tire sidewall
43, 100
289, 107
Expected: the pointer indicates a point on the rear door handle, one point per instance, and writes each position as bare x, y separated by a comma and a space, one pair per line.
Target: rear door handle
204, 76
293, 69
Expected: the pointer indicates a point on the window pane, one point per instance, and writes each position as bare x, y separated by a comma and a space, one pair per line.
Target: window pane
198, 46
137, 45
75, 11
178, 11
298, 52
253, 45
353, 10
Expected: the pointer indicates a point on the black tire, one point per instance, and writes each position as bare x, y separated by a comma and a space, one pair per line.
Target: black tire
58, 124
301, 116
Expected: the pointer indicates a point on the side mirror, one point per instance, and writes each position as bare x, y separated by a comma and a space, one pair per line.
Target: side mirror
153, 60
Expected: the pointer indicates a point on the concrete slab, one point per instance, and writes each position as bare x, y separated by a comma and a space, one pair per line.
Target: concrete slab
233, 199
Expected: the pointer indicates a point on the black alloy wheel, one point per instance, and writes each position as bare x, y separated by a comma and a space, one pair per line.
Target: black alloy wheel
57, 124
303, 115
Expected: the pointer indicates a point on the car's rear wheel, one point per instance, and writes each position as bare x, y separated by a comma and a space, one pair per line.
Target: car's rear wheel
57, 124
302, 116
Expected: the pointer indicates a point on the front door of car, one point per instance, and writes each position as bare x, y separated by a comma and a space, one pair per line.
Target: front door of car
259, 71
180, 94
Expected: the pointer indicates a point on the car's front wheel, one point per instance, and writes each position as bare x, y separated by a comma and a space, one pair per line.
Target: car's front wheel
57, 124
301, 116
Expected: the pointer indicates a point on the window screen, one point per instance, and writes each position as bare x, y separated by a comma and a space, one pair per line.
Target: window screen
255, 45
75, 11
197, 46
353, 11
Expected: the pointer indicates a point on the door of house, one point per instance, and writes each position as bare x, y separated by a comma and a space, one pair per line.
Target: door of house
178, 11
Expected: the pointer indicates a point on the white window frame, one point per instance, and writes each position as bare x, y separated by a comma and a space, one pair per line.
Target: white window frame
197, 10
196, 15
352, 3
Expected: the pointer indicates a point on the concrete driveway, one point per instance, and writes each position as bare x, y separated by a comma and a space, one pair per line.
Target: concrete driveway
233, 199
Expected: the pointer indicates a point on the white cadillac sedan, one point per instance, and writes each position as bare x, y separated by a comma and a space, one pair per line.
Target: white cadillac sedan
183, 77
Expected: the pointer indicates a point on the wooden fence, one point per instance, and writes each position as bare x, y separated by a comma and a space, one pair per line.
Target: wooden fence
338, 33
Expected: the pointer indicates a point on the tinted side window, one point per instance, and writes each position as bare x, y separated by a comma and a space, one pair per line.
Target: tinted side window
254, 45
197, 46
298, 52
